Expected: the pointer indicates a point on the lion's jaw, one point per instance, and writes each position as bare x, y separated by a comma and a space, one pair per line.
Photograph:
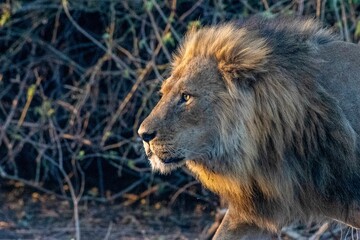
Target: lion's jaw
162, 164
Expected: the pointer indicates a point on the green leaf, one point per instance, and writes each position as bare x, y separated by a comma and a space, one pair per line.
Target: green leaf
357, 30
194, 24
106, 36
4, 17
131, 164
168, 39
149, 5
45, 110
81, 155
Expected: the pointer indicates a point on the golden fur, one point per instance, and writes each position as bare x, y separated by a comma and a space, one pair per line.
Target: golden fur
261, 127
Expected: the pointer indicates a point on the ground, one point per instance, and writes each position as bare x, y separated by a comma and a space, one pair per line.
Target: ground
27, 214
33, 215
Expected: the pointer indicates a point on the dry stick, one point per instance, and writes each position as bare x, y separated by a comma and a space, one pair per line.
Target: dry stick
88, 87
318, 8
344, 19
111, 27
292, 234
108, 232
168, 20
352, 14
96, 68
56, 26
13, 107
115, 145
155, 68
10, 154
146, 71
171, 16
74, 198
188, 12
117, 60
142, 195
77, 138
336, 10
157, 34
248, 6
194, 195
301, 7
129, 188
323, 7
144, 101
30, 97
266, 4
21, 40
281, 4
62, 56
123, 104
128, 97
320, 231
181, 190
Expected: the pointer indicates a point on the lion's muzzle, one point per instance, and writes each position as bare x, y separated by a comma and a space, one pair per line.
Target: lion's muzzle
145, 134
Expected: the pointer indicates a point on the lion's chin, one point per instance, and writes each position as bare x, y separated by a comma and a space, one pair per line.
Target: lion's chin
167, 165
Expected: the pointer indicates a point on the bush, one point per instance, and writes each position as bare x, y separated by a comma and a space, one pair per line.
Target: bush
78, 76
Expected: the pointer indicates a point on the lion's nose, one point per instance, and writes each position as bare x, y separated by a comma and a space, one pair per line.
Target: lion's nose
147, 136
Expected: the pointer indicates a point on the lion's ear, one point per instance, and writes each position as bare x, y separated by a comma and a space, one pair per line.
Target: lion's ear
243, 61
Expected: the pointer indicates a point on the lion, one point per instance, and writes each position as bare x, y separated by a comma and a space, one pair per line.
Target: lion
266, 114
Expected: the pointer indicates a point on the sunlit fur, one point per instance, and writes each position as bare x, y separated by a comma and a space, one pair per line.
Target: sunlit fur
285, 150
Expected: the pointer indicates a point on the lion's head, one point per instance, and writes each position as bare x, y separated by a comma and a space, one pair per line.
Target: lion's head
194, 118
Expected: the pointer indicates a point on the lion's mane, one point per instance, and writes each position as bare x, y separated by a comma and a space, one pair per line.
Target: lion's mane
297, 146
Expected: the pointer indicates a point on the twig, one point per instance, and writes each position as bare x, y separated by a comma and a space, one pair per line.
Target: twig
30, 95
142, 195
318, 8
191, 10
128, 189
301, 7
14, 104
169, 19
344, 19
266, 4
157, 34
128, 97
117, 60
320, 231
108, 232
181, 190
336, 10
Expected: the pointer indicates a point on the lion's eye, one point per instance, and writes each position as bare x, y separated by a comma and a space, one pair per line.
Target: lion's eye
185, 97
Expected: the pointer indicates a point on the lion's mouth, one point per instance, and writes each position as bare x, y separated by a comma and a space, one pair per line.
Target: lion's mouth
162, 156
148, 153
173, 160
165, 160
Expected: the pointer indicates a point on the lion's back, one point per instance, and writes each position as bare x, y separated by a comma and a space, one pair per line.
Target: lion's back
289, 31
340, 76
